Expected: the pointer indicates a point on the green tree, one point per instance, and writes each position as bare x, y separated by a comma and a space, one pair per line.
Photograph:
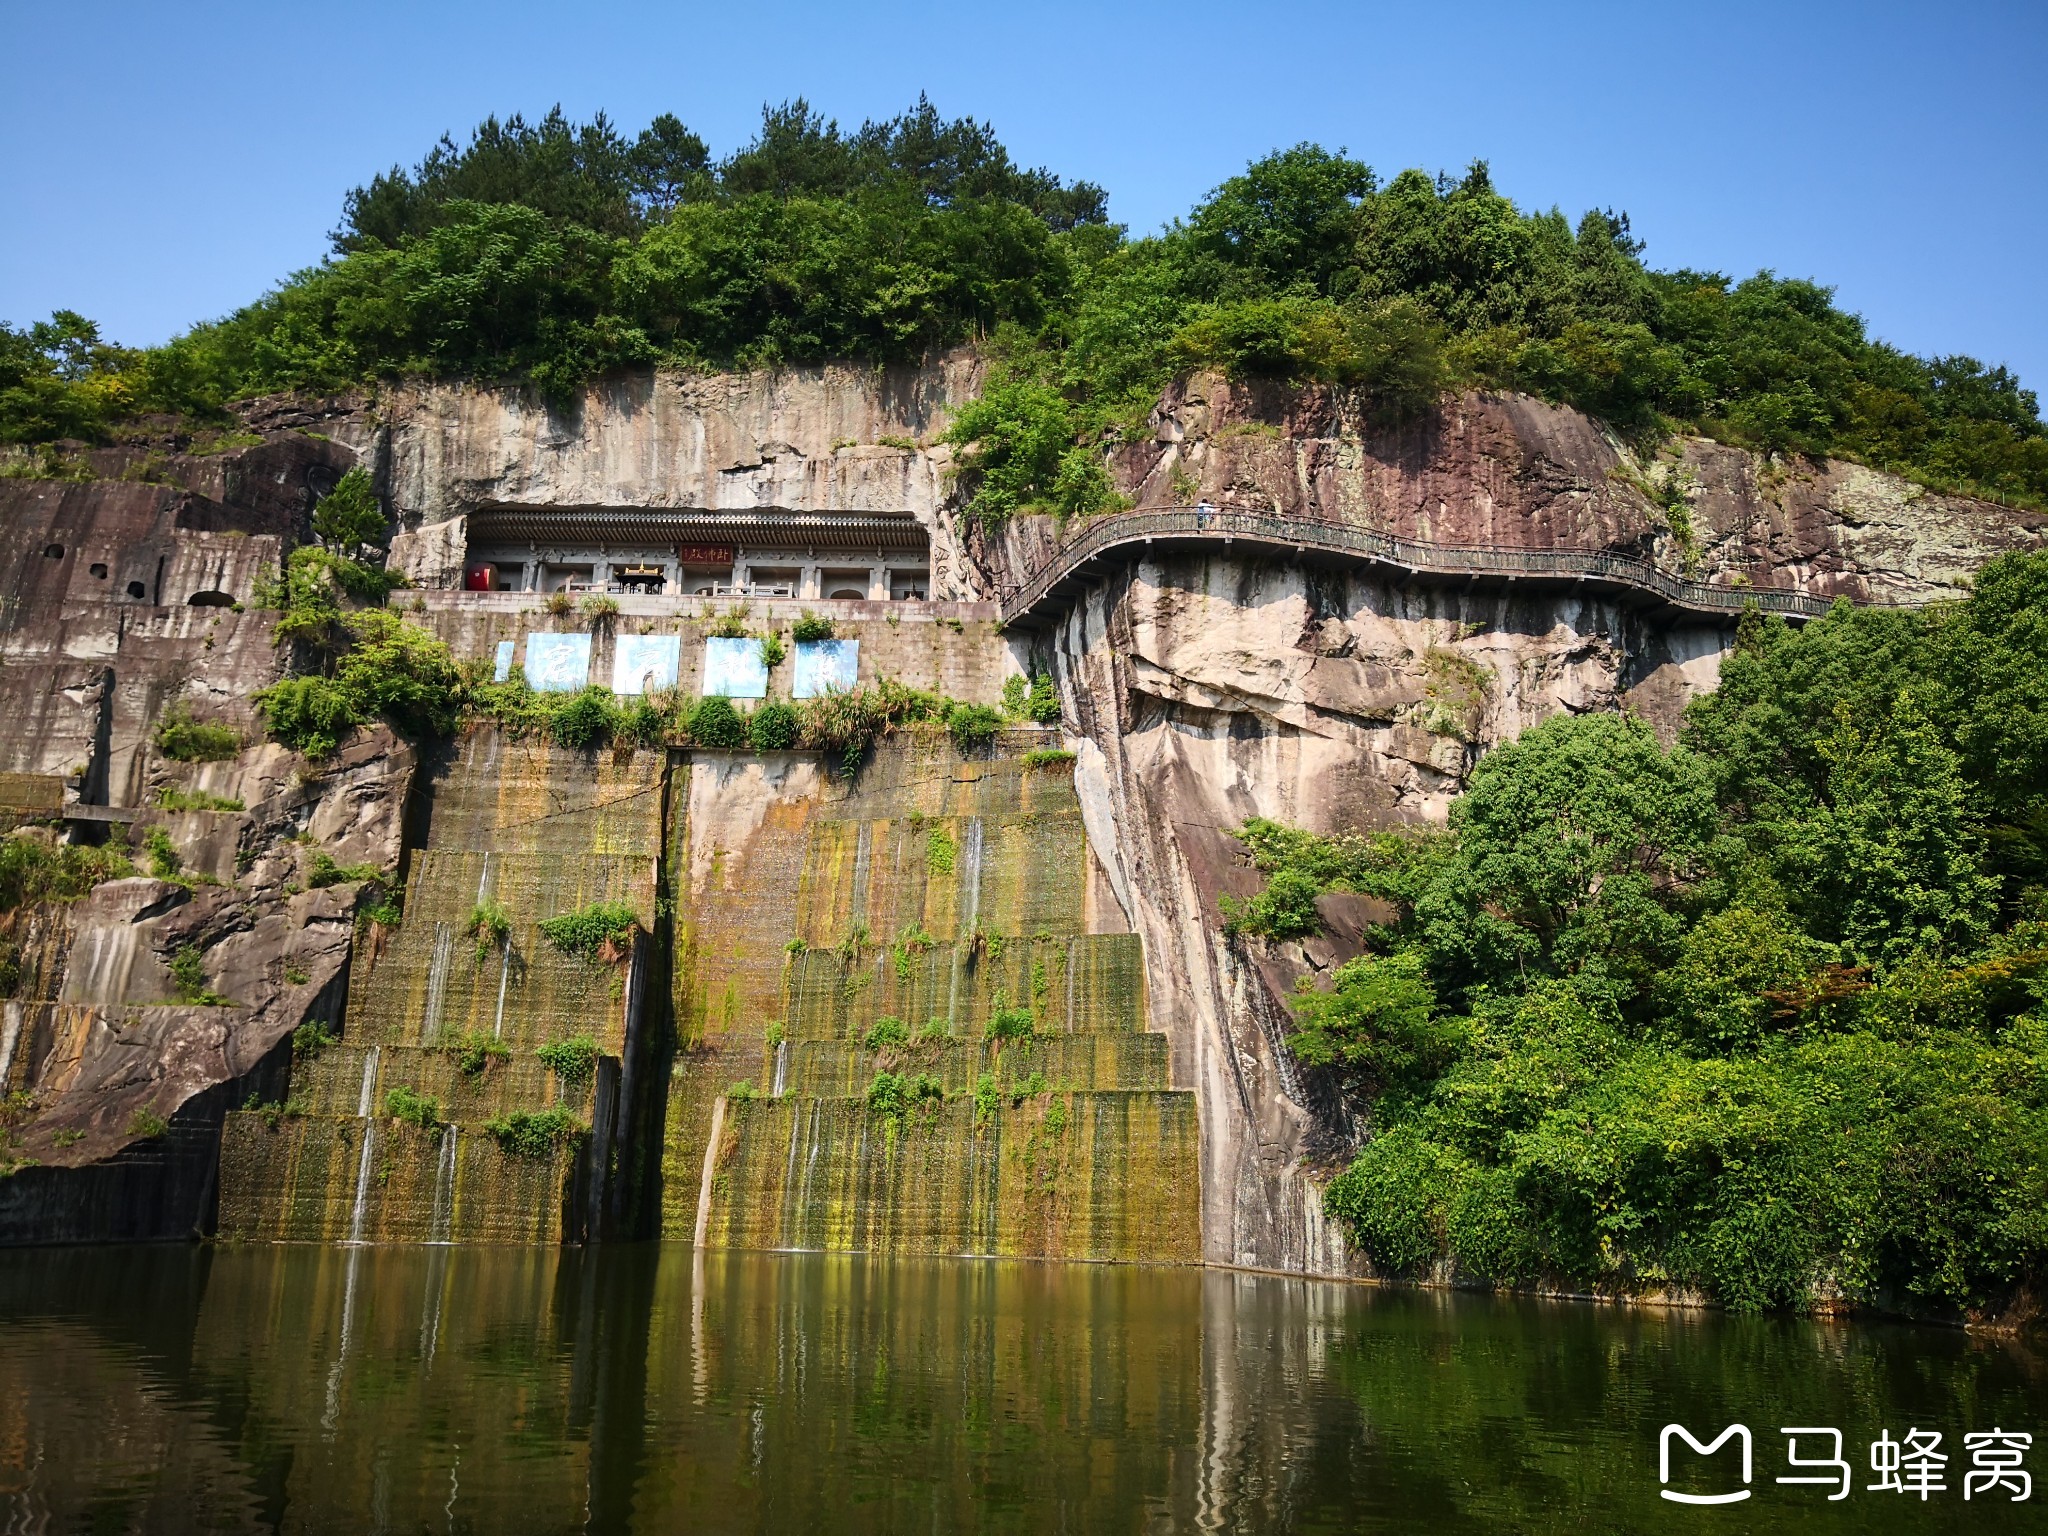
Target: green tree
349, 517
1378, 1015
1571, 845
1901, 857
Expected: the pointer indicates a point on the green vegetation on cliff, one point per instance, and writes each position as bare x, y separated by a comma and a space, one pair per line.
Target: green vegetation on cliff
556, 253
1764, 1013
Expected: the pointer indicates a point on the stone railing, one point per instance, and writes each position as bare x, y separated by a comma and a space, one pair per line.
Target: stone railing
1118, 531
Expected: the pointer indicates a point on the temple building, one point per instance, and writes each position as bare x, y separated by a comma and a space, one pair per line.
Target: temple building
694, 553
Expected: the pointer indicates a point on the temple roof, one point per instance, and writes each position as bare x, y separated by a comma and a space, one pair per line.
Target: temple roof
770, 528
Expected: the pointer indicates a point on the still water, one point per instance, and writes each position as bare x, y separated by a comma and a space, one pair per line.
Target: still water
513, 1390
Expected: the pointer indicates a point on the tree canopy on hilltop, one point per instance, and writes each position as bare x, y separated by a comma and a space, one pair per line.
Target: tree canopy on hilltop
556, 252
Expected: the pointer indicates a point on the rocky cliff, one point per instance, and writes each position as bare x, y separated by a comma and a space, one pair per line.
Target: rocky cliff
1206, 688
1200, 687
811, 439
125, 607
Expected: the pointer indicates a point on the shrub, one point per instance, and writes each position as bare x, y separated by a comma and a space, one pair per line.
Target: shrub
774, 728
1285, 909
490, 925
598, 606
891, 1095
1043, 705
574, 1060
934, 1029
194, 800
413, 1107
886, 1032
1378, 1015
940, 851
187, 740
973, 726
584, 720
772, 651
325, 872
912, 942
33, 870
588, 931
401, 672
731, 624
310, 1039
560, 604
1018, 453
1009, 1023
888, 1095
716, 724
741, 1092
987, 1098
474, 1050
311, 715
1047, 757
189, 981
535, 1133
810, 627
845, 724
164, 861
147, 1123
641, 722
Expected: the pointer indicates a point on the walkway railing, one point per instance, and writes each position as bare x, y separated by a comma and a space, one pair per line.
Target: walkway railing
1117, 530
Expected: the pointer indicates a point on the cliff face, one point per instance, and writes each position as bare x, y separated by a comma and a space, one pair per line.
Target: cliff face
814, 439
1200, 688
1207, 689
1514, 472
121, 606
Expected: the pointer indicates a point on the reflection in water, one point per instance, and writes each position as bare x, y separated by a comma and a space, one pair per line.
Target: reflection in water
466, 1389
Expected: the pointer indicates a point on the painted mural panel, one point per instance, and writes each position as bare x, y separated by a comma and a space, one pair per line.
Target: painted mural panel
643, 663
826, 666
557, 663
735, 668
503, 670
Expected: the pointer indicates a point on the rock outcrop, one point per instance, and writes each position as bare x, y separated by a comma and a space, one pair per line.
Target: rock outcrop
1514, 472
126, 600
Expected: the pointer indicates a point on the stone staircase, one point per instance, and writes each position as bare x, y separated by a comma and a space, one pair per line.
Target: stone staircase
952, 896
540, 833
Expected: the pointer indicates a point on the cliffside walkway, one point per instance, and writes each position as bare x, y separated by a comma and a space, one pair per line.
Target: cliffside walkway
1046, 593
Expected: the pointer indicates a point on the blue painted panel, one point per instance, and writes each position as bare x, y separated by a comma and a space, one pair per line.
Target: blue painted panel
557, 663
826, 666
735, 669
643, 663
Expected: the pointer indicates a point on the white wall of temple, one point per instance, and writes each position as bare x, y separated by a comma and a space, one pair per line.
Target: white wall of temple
875, 575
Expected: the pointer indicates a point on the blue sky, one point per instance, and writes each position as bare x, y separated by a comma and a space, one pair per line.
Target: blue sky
161, 164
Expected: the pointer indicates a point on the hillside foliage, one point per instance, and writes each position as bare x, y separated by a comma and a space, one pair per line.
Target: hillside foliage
556, 252
1763, 1014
